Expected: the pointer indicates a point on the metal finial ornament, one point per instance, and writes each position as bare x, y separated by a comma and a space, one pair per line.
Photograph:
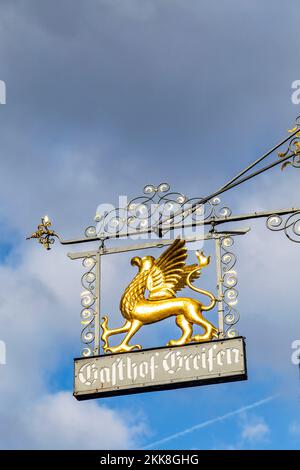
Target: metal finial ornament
163, 278
43, 234
293, 149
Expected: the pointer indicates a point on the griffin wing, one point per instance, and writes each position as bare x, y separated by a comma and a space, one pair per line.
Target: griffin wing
169, 273
133, 294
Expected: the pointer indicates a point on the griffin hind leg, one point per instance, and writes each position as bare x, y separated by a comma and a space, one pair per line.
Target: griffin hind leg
124, 346
210, 331
187, 329
106, 332
195, 316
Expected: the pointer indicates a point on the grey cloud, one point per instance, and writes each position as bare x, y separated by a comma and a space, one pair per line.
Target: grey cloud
155, 87
189, 92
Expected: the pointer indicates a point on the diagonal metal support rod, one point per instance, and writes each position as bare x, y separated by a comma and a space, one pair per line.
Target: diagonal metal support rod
260, 159
237, 180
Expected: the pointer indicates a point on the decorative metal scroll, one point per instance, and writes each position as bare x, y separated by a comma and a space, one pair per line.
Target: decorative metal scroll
293, 149
155, 205
229, 282
289, 225
88, 301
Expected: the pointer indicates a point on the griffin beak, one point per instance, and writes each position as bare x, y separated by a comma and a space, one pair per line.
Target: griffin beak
136, 261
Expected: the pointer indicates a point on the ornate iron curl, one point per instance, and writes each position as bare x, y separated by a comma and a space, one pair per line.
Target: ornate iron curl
157, 204
293, 148
290, 226
88, 299
229, 282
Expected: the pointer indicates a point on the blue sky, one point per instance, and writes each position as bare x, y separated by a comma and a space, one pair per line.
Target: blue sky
104, 97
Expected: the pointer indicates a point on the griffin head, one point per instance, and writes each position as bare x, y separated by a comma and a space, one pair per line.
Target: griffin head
144, 264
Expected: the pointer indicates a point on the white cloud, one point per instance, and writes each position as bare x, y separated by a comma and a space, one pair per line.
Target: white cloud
59, 422
294, 430
39, 306
256, 431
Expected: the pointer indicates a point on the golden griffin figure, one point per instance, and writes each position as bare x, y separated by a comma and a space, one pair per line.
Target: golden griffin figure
163, 278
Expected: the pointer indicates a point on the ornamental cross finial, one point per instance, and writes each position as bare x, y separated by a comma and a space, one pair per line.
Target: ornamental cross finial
43, 234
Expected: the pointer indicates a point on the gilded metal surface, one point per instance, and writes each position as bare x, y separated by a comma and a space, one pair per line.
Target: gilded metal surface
163, 278
43, 234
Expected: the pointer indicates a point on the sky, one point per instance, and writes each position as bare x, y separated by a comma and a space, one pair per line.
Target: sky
102, 98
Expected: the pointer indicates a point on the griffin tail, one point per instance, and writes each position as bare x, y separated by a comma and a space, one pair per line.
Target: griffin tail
203, 261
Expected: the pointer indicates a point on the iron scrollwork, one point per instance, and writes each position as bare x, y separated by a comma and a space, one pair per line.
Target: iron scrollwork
88, 300
229, 282
156, 204
289, 225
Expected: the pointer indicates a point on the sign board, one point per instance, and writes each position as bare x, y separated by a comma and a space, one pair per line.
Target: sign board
160, 369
